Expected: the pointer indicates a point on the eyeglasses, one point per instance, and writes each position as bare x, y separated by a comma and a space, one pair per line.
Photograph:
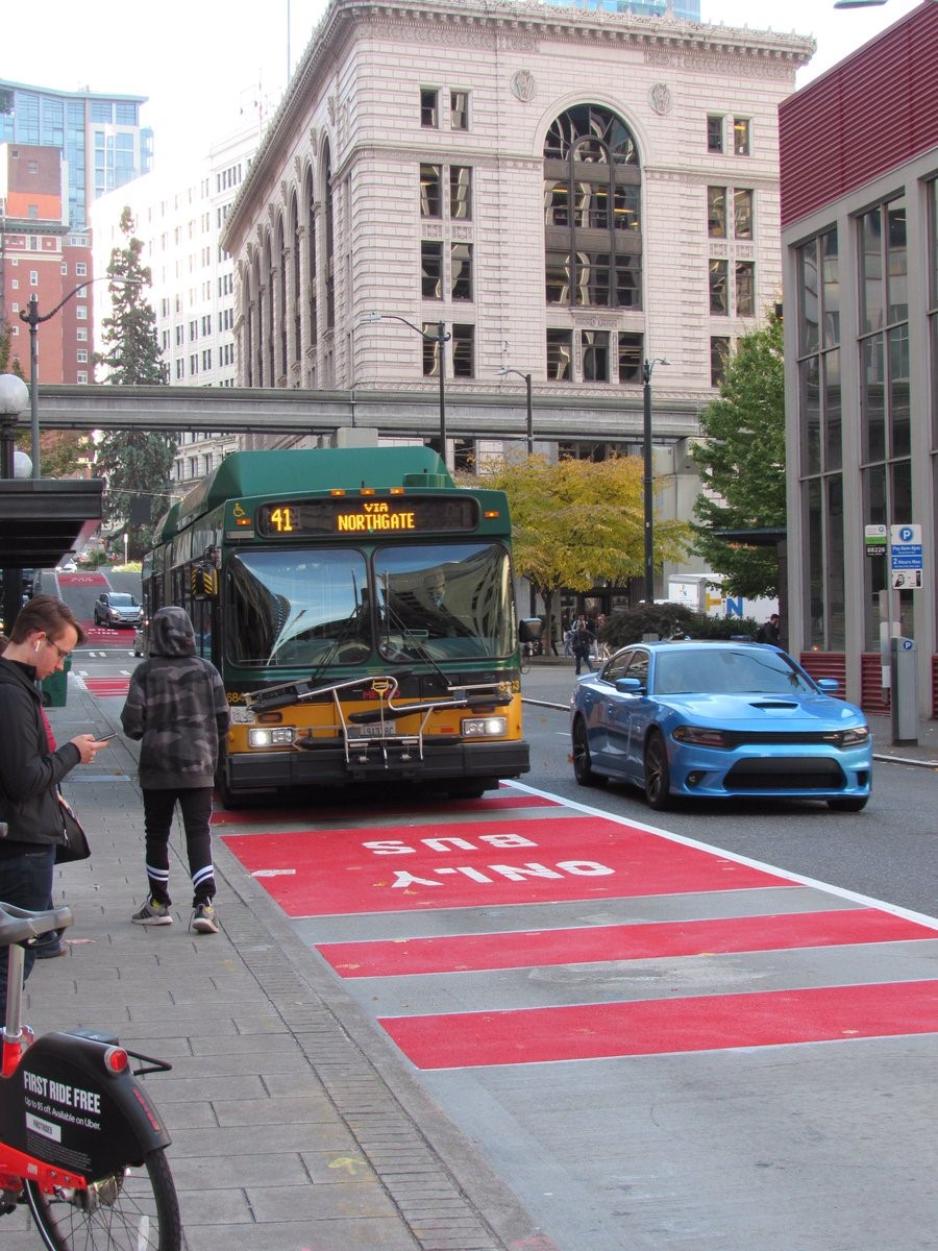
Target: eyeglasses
62, 651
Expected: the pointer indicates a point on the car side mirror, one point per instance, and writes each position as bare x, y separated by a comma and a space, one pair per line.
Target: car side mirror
530, 629
629, 686
828, 685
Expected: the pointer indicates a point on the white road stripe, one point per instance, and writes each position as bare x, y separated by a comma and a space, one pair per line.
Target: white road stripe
841, 892
274, 873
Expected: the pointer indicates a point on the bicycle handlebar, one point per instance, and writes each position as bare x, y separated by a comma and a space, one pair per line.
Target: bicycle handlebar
18, 925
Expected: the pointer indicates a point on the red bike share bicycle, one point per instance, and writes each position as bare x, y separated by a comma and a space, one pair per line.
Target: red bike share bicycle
80, 1141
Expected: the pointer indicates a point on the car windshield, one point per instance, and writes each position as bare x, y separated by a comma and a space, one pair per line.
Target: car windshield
120, 600
742, 671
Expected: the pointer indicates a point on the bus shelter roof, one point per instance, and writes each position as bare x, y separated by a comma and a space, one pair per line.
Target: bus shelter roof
43, 518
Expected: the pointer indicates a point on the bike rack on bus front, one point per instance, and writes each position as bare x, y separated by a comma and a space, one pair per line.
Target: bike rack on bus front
385, 686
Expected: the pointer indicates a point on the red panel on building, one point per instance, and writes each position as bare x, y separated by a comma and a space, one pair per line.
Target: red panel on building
873, 111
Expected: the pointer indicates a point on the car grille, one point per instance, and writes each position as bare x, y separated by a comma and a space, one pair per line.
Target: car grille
790, 773
758, 738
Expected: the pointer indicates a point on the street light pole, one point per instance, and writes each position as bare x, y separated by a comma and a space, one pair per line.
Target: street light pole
507, 369
32, 317
648, 368
441, 338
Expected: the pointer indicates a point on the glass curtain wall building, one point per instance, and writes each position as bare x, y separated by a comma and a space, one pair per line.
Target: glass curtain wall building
99, 136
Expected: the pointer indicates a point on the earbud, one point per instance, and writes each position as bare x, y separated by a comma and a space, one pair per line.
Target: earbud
36, 647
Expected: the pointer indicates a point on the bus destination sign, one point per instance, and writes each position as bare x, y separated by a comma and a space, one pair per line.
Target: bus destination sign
359, 517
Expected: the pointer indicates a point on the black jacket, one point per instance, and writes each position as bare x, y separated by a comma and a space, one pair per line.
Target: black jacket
29, 771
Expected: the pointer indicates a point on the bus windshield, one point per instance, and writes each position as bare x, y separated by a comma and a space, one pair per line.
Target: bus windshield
444, 601
302, 607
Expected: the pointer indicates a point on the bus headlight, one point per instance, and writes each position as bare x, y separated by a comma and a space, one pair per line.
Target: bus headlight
282, 736
484, 727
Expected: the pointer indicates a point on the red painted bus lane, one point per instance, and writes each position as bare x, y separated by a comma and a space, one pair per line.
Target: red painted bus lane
402, 868
107, 688
657, 1027
600, 943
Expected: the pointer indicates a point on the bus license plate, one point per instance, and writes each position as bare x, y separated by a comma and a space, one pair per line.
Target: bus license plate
372, 730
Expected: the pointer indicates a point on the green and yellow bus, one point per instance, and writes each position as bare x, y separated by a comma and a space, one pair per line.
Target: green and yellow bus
359, 606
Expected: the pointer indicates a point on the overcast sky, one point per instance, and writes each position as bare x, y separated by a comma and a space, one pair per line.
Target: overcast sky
206, 64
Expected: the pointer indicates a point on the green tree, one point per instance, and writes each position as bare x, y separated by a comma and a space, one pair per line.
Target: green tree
576, 524
742, 464
9, 361
136, 463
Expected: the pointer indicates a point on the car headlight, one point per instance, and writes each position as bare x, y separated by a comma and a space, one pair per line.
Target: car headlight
282, 736
484, 727
853, 737
700, 735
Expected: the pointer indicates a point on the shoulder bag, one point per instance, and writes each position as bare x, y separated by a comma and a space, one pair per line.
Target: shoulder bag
75, 846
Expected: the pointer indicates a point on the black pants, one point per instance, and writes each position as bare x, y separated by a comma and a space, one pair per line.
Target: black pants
580, 655
196, 806
25, 880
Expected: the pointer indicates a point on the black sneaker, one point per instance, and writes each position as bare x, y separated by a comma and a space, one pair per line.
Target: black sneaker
204, 920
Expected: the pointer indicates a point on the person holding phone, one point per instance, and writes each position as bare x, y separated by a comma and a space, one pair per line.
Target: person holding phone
31, 766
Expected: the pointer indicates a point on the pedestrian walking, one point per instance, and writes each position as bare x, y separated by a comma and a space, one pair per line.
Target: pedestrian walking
769, 632
583, 640
176, 706
31, 768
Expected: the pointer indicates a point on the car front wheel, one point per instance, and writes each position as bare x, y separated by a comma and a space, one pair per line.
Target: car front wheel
657, 773
582, 760
851, 803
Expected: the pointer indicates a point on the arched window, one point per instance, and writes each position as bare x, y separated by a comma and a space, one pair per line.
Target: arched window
247, 328
311, 276
297, 274
281, 246
330, 237
592, 211
258, 337
268, 330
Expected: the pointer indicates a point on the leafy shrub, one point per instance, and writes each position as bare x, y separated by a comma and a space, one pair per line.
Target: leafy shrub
663, 621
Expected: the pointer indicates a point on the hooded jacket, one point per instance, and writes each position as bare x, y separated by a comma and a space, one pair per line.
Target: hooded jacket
176, 705
29, 771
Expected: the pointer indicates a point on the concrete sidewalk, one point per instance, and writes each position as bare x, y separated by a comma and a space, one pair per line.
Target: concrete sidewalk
295, 1123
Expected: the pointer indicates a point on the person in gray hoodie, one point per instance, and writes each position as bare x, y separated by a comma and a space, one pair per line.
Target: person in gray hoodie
176, 706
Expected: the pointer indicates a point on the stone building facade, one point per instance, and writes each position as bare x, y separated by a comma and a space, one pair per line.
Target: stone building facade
562, 193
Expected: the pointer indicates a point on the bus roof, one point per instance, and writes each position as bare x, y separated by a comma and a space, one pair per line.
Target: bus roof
303, 470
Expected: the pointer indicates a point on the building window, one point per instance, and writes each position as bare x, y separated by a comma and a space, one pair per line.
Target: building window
716, 212
81, 376
81, 356
207, 324
429, 107
745, 289
741, 131
206, 358
742, 213
34, 277
463, 351
431, 269
719, 355
595, 348
630, 357
560, 355
719, 296
819, 419
81, 269
193, 330
592, 226
164, 340
63, 268
15, 284
180, 368
81, 334
431, 191
461, 262
81, 312
460, 192
459, 110
714, 132
180, 335
193, 364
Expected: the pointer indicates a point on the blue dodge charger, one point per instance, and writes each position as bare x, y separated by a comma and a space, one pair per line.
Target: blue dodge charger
716, 720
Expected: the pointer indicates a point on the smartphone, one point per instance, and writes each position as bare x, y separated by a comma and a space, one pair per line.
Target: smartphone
103, 738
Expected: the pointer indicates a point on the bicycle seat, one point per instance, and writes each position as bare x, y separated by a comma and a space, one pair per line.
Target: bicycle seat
19, 925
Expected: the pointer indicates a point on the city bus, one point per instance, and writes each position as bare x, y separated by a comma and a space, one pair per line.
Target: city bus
359, 607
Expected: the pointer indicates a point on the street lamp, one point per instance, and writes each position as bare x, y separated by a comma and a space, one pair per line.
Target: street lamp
32, 317
648, 368
507, 369
440, 337
13, 400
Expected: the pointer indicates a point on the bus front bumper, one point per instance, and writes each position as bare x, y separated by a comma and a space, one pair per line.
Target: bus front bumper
328, 766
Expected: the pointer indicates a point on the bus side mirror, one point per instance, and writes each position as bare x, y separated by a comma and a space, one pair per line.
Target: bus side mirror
530, 629
204, 581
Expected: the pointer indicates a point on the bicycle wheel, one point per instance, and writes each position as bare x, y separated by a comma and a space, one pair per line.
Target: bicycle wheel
137, 1211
